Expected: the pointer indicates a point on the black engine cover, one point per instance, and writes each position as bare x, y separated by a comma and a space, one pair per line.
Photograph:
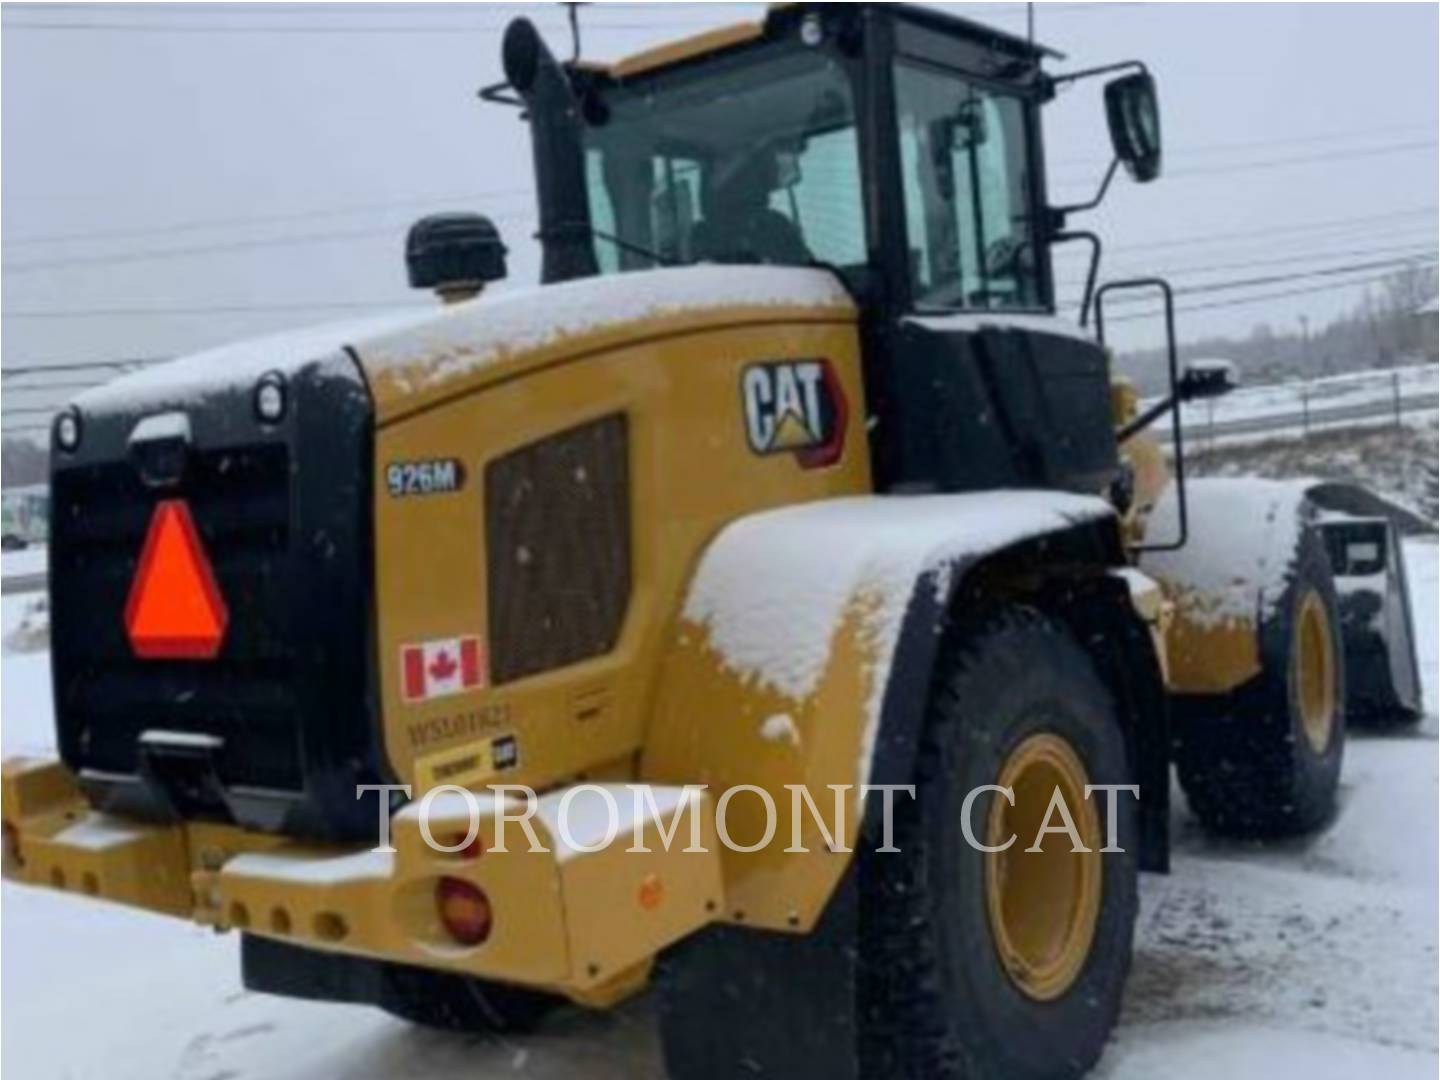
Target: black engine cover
277, 729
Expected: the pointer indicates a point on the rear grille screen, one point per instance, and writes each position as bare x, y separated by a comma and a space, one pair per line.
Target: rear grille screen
557, 525
105, 695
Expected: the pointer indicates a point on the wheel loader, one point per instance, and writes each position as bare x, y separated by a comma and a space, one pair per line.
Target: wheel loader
788, 478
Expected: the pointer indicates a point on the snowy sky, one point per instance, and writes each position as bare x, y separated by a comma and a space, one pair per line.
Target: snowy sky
274, 168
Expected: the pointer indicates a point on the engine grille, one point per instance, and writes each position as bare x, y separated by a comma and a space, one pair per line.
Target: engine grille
557, 530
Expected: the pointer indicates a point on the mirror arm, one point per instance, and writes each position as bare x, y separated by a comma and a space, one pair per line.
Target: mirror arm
1062, 211
500, 94
1185, 391
1090, 73
1148, 417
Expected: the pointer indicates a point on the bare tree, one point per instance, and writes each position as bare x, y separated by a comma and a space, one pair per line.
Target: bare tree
23, 461
1409, 289
1391, 315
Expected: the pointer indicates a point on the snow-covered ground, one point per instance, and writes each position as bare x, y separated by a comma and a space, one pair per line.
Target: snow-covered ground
1396, 463
1313, 958
30, 560
1359, 400
1331, 392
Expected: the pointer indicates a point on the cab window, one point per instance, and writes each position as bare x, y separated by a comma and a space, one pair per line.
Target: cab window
968, 181
760, 164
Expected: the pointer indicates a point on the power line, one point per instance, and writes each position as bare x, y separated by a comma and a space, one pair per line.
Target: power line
203, 224
1308, 159
1278, 163
8, 371
1244, 300
981, 12
1251, 144
187, 252
207, 309
99, 378
1402, 250
241, 220
1210, 305
50, 387
1278, 279
301, 215
1277, 230
203, 250
163, 27
229, 308
1405, 250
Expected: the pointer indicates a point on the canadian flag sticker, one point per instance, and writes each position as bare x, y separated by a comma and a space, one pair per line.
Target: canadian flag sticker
439, 668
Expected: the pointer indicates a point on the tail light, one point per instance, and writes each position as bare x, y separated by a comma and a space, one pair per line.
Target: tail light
464, 910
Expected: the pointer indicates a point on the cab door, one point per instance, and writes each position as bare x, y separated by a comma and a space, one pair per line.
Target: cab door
991, 388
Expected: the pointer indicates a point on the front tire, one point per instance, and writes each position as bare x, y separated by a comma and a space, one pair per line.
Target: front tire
1003, 966
1265, 761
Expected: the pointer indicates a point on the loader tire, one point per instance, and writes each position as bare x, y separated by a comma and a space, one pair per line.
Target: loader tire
439, 999
1005, 966
1265, 760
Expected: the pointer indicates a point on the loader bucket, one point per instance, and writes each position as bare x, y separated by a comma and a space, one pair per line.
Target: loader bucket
1382, 679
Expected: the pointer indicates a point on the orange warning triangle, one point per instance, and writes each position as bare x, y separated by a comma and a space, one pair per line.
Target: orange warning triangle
175, 610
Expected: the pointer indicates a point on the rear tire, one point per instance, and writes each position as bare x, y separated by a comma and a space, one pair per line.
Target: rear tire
1265, 761
449, 1002
955, 987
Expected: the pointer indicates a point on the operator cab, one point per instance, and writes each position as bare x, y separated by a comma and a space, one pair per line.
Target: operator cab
898, 147
764, 153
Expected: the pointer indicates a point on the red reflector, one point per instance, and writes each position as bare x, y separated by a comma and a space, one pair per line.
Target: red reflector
175, 610
464, 910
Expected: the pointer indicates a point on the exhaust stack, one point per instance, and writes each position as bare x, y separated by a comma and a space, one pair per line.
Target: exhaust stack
555, 126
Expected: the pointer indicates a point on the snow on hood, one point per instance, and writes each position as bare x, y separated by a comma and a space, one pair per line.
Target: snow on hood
773, 588
1243, 534
421, 347
181, 382
468, 337
971, 322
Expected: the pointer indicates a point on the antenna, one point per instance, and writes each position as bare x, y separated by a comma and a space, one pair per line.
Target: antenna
574, 14
1030, 23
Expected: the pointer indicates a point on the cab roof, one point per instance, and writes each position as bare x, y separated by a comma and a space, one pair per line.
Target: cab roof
721, 39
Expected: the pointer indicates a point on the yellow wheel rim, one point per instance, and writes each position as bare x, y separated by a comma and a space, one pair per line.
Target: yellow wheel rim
1315, 671
1043, 905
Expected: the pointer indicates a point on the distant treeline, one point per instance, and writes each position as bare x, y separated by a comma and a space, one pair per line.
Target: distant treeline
1384, 330
23, 462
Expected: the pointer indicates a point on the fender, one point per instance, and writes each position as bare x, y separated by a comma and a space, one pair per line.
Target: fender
803, 655
1243, 535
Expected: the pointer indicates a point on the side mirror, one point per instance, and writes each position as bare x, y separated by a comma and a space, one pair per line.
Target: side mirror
457, 255
1208, 379
1133, 112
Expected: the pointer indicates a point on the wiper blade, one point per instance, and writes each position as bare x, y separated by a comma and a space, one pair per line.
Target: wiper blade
563, 231
634, 249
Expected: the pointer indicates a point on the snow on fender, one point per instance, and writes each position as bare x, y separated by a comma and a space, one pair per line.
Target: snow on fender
1243, 536
827, 614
